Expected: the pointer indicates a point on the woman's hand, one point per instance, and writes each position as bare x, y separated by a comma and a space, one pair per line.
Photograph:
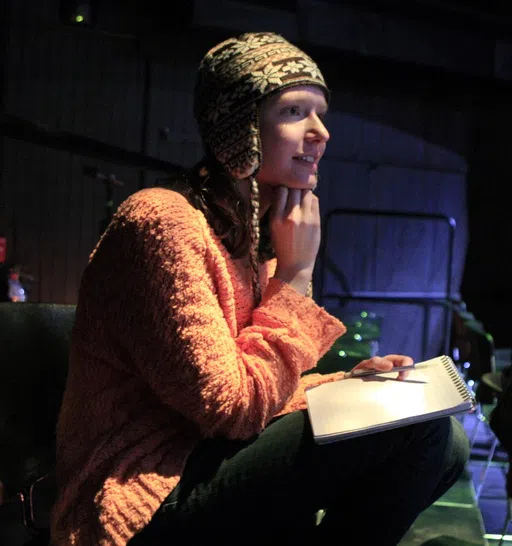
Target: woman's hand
295, 233
386, 363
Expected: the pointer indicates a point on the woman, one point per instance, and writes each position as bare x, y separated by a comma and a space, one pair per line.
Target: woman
184, 413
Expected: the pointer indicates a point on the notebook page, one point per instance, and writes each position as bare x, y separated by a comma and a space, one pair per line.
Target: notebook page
358, 403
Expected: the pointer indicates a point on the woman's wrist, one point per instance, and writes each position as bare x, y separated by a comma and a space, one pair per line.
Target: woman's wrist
299, 280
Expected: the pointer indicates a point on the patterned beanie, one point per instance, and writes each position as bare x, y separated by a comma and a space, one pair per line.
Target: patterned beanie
232, 77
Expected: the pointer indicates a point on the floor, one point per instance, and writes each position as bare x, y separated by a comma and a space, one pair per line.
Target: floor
474, 511
489, 485
491, 496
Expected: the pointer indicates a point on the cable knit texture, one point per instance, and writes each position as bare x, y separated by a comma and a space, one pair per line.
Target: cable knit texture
168, 349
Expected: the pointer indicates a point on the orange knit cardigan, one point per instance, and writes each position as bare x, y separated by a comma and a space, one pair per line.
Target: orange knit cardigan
167, 348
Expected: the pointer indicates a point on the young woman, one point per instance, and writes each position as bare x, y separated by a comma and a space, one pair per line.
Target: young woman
184, 414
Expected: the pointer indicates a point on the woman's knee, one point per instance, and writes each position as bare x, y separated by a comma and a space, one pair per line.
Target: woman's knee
441, 439
445, 441
458, 444
452, 456
455, 440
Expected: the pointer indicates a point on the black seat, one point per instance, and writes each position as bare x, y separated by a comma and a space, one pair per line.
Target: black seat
34, 343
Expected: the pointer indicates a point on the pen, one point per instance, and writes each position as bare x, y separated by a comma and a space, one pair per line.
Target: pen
367, 373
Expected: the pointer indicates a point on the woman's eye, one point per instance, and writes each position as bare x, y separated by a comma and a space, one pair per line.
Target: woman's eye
292, 110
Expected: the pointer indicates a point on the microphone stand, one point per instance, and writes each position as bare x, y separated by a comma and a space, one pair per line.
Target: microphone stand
110, 181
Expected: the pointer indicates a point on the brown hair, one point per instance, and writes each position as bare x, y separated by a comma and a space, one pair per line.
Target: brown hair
237, 223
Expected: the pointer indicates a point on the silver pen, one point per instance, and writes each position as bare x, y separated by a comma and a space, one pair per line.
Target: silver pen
362, 372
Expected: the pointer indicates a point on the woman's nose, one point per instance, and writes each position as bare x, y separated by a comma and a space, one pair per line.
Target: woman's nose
318, 130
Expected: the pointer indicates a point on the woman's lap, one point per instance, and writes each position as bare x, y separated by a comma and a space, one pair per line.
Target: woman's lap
280, 478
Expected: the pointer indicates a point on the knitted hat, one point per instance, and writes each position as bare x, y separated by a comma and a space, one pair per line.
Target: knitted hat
232, 77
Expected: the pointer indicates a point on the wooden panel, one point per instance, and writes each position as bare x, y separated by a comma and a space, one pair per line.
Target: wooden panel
171, 111
55, 214
5, 8
72, 80
32, 11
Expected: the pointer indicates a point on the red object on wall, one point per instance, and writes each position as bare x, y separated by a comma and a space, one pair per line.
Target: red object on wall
3, 249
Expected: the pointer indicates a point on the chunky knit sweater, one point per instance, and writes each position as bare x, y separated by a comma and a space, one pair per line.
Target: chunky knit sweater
167, 349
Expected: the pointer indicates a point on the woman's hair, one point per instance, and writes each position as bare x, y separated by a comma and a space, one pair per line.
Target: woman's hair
217, 196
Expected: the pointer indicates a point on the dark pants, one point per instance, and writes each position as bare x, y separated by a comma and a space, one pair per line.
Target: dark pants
267, 490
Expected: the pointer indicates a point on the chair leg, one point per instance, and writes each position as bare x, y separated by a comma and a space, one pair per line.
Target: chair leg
479, 418
485, 468
508, 521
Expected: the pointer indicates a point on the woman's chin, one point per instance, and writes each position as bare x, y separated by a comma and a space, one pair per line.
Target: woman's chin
304, 184
309, 185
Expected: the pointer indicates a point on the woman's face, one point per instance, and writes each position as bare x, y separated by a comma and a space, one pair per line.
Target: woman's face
293, 138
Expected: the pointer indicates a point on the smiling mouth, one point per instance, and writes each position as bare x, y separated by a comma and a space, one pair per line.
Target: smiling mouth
305, 158
309, 162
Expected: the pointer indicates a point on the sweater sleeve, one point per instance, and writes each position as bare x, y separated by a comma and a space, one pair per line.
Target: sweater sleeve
179, 339
298, 400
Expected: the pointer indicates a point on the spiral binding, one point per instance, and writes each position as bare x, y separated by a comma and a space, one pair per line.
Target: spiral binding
458, 381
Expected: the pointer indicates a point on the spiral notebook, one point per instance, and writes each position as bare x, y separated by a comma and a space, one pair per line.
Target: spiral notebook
358, 406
